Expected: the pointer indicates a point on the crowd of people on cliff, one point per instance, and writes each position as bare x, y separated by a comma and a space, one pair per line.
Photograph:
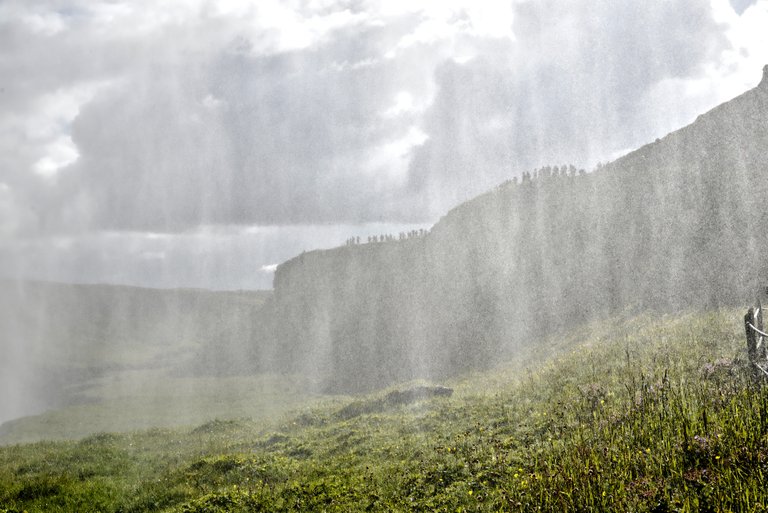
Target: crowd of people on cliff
546, 172
412, 234
542, 173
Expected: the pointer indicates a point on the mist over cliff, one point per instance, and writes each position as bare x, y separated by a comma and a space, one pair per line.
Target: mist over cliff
63, 340
679, 223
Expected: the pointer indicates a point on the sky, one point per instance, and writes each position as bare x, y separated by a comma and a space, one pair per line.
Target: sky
198, 143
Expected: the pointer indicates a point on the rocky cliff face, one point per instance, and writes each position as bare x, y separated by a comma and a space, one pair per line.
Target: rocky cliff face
678, 223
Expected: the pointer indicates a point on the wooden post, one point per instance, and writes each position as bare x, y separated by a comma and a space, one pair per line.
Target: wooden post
751, 335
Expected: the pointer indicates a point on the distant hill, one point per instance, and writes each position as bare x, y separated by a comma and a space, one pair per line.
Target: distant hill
679, 223
59, 338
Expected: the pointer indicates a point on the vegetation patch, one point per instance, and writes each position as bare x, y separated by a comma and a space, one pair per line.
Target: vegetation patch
644, 414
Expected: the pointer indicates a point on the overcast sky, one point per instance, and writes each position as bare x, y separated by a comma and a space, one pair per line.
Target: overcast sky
200, 142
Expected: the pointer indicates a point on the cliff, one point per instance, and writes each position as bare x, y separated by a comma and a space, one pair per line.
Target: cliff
679, 223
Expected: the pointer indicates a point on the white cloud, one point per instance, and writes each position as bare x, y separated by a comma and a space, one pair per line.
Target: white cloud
47, 23
679, 100
361, 64
59, 153
740, 66
53, 112
431, 31
491, 18
155, 236
138, 19
388, 163
269, 268
446, 20
227, 8
403, 104
274, 26
212, 103
39, 129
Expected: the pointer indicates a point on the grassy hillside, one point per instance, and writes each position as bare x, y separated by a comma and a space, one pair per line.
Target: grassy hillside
148, 398
639, 414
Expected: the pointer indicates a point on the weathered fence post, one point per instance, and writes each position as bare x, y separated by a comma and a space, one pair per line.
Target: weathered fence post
749, 321
751, 336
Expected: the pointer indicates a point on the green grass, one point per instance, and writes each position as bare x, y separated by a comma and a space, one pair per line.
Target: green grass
644, 414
